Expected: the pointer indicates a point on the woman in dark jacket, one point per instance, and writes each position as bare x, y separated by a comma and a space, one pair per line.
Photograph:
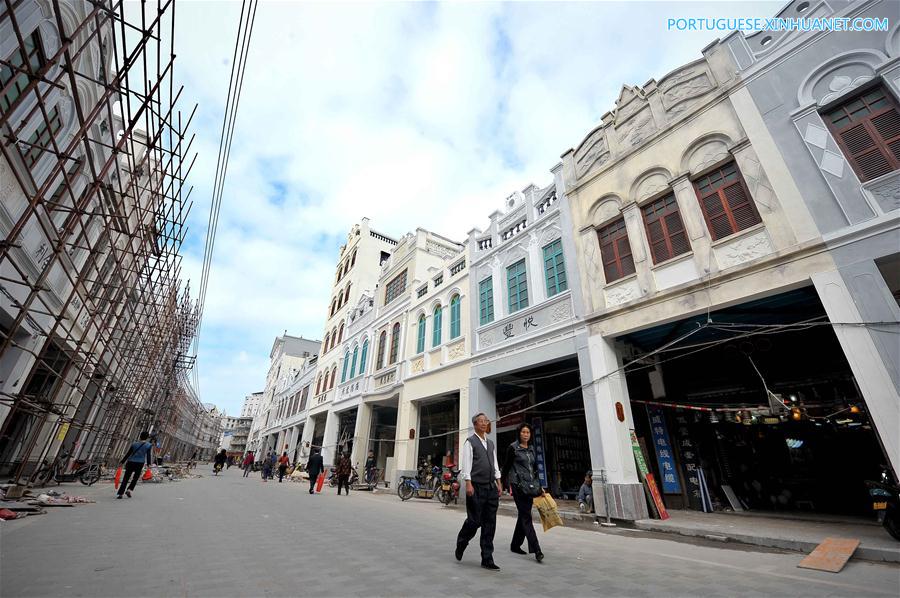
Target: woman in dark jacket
520, 470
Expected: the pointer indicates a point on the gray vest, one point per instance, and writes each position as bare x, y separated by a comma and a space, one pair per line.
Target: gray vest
482, 460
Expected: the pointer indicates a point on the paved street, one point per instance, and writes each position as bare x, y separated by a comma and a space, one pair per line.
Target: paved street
230, 536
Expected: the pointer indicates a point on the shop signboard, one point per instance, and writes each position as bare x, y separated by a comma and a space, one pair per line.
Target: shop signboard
688, 461
647, 477
664, 453
537, 428
512, 406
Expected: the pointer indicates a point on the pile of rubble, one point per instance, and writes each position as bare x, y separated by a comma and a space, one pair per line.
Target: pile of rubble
32, 502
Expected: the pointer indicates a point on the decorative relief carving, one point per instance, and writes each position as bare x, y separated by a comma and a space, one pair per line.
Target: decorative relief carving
630, 102
743, 250
760, 190
561, 311
623, 293
456, 351
707, 154
887, 193
594, 152
439, 250
485, 339
7, 181
651, 185
42, 255
638, 129
418, 365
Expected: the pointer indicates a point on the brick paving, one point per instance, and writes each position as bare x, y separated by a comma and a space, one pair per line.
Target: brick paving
233, 536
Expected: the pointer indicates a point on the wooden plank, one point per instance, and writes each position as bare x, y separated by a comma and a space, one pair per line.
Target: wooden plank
831, 555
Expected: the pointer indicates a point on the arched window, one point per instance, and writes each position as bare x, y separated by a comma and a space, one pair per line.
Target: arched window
420, 336
333, 376
353, 259
341, 333
362, 358
395, 343
353, 363
346, 363
325, 343
334, 337
333, 307
318, 383
347, 293
436, 327
454, 317
382, 339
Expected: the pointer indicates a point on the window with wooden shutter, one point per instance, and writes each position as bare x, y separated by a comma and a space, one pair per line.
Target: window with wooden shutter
665, 230
725, 201
615, 251
867, 129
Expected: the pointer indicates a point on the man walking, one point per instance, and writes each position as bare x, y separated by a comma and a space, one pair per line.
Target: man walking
314, 467
248, 463
481, 473
139, 453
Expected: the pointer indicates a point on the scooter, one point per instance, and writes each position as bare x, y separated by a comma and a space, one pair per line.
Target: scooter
449, 490
886, 502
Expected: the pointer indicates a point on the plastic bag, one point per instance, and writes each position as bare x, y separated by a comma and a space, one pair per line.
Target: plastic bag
118, 477
320, 481
548, 511
148, 475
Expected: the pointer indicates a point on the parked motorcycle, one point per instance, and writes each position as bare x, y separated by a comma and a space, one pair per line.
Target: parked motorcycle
886, 502
86, 472
449, 490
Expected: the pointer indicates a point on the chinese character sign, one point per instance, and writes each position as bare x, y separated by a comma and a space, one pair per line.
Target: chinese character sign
664, 453
537, 428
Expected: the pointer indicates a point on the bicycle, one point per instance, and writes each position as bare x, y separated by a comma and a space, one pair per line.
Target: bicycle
86, 472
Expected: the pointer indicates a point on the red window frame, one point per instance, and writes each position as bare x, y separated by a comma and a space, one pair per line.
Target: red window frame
615, 250
725, 201
866, 127
665, 230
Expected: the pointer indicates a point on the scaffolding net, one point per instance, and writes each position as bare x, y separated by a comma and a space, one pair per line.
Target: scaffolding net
96, 323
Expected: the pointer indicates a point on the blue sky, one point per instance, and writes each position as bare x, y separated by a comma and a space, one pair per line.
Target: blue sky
412, 114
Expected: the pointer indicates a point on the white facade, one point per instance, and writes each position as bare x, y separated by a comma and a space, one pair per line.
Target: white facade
251, 404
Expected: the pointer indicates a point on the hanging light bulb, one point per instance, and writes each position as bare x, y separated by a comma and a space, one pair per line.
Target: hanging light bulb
796, 414
854, 408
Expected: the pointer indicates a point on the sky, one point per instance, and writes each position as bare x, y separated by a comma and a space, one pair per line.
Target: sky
411, 114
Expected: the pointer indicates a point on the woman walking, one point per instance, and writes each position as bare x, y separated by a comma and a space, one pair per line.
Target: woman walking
520, 470
343, 473
283, 463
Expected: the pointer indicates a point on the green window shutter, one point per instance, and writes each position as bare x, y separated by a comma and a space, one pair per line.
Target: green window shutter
362, 359
486, 300
454, 317
555, 268
346, 363
517, 286
436, 332
420, 337
353, 363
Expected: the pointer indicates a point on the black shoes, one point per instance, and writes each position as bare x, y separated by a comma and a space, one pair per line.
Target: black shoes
128, 493
118, 497
517, 550
459, 552
490, 566
539, 556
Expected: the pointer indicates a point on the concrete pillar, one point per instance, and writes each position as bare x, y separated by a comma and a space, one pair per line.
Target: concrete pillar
481, 400
329, 443
634, 225
859, 294
537, 285
694, 224
610, 439
306, 439
361, 436
404, 448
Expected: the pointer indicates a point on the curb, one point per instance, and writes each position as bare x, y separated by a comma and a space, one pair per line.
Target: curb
887, 555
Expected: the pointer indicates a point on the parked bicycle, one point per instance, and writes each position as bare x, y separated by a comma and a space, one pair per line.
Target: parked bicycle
86, 472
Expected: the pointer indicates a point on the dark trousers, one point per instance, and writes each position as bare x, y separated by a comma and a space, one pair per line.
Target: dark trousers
281, 470
481, 511
247, 470
132, 470
313, 478
344, 481
524, 524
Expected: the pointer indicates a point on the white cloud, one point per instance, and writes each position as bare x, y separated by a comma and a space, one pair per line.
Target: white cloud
413, 114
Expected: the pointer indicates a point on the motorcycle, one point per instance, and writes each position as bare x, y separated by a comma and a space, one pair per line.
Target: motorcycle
333, 478
217, 468
86, 472
424, 484
449, 490
886, 502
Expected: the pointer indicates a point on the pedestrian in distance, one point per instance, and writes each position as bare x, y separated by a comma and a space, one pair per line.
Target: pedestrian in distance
585, 496
371, 466
283, 463
266, 469
481, 474
314, 467
520, 470
343, 473
219, 461
138, 454
273, 459
248, 463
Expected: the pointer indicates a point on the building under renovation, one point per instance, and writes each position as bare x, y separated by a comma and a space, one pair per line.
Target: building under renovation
95, 322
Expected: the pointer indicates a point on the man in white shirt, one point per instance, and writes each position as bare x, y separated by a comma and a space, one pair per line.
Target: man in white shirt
479, 470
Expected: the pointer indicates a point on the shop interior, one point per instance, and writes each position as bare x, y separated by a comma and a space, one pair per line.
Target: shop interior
562, 446
438, 440
382, 433
758, 410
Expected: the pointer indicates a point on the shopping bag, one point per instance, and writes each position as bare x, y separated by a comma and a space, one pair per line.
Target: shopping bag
118, 477
148, 475
548, 511
320, 481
